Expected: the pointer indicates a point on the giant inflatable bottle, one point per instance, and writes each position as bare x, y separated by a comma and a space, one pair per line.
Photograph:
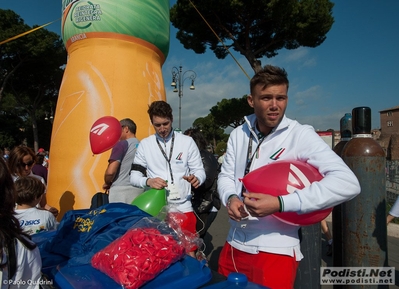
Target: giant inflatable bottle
115, 53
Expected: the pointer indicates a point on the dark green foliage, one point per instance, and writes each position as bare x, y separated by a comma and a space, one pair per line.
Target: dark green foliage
31, 70
231, 112
254, 28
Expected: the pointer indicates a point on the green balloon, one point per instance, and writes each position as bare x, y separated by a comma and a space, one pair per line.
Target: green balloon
151, 201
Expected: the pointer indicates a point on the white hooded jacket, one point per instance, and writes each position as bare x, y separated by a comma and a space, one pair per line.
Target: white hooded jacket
294, 142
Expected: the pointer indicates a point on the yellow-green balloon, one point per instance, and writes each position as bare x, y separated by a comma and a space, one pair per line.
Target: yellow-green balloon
151, 201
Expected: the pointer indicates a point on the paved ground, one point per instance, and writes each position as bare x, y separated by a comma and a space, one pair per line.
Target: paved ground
217, 233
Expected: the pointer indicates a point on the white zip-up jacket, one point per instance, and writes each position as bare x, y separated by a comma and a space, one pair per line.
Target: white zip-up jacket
300, 142
185, 160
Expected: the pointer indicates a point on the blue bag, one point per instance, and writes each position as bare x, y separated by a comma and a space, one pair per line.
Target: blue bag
82, 233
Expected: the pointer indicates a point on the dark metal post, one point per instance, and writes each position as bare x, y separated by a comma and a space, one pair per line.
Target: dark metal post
337, 217
365, 230
308, 274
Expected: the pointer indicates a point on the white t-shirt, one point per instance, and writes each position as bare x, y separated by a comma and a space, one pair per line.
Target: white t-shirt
34, 220
29, 266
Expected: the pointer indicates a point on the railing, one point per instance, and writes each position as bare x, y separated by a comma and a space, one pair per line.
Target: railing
392, 180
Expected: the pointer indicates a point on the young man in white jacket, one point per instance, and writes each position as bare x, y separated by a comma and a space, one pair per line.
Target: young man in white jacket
266, 249
169, 160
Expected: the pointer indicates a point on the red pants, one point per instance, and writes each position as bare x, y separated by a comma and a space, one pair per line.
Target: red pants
271, 270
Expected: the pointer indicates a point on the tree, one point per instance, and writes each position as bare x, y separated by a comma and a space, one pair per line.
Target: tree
221, 148
254, 28
231, 112
211, 131
31, 70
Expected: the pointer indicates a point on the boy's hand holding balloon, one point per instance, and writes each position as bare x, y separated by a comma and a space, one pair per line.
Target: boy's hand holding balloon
261, 205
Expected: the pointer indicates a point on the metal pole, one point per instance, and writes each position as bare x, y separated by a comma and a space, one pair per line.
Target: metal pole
308, 274
337, 214
180, 94
178, 81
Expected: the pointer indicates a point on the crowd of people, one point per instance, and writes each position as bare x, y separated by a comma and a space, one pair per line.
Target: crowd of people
264, 248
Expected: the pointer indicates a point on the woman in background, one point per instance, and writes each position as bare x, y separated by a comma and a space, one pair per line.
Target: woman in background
20, 163
205, 199
20, 260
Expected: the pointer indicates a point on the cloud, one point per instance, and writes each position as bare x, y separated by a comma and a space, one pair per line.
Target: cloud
214, 82
300, 57
309, 95
295, 55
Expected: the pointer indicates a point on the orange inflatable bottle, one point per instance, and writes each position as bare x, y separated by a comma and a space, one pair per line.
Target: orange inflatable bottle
115, 53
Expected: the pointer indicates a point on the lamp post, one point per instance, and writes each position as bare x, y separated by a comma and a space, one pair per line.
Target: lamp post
51, 118
178, 78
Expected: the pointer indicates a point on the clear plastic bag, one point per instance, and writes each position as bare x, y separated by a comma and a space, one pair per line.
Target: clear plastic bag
145, 250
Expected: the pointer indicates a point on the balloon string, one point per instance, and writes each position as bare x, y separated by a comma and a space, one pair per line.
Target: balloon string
232, 257
221, 41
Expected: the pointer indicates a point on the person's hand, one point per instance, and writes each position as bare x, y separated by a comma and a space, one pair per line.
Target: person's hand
261, 205
52, 210
235, 209
156, 183
106, 186
192, 179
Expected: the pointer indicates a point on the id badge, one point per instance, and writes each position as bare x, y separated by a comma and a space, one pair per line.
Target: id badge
174, 193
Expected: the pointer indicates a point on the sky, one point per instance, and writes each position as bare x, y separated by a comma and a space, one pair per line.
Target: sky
357, 65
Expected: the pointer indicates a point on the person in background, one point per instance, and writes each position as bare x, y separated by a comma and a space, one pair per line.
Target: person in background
6, 153
38, 168
205, 196
393, 212
221, 158
117, 174
29, 191
326, 231
264, 248
20, 164
169, 160
20, 259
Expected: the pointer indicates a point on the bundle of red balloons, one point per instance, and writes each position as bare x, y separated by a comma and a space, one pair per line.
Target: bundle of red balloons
138, 256
281, 178
104, 134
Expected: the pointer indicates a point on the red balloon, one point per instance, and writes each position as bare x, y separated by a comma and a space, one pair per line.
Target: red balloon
104, 134
282, 178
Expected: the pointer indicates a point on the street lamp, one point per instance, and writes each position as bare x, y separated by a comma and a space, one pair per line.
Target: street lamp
178, 78
51, 118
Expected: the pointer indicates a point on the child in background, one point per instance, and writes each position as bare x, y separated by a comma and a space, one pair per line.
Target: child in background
20, 262
29, 191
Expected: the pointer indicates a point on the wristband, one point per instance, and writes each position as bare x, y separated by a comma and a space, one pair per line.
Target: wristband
146, 182
281, 202
229, 199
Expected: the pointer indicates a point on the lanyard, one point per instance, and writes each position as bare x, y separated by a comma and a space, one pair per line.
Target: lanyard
170, 154
250, 156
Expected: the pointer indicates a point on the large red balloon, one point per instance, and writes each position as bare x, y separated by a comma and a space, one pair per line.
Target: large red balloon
282, 178
104, 134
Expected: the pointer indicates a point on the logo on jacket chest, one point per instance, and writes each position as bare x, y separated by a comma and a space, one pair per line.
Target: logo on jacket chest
178, 159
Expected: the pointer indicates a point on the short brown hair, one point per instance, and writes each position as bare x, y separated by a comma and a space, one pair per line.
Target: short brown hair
160, 108
28, 189
269, 75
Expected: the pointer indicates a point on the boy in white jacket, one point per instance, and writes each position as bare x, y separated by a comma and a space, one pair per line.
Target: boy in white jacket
264, 248
169, 160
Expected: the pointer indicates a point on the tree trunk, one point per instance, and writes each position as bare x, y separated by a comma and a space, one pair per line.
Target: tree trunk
35, 132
